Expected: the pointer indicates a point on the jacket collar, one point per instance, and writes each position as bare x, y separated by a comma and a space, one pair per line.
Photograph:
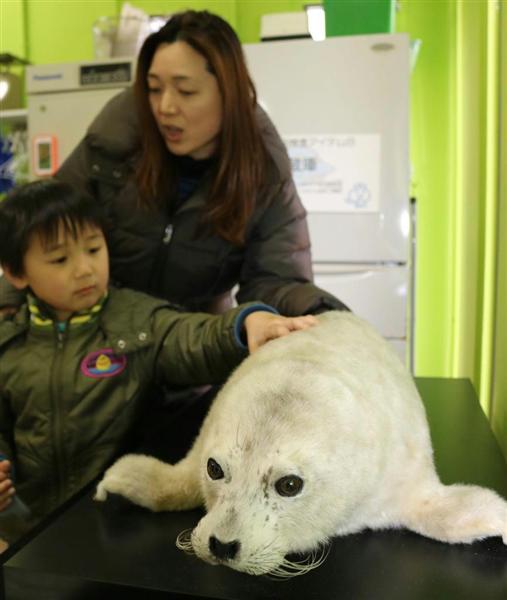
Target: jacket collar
198, 198
42, 315
125, 326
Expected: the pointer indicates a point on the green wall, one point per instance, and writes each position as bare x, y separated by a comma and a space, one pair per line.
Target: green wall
52, 31
499, 399
432, 106
349, 17
225, 8
12, 34
61, 30
13, 37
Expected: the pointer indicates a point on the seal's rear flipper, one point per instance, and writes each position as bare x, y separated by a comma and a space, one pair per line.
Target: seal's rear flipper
457, 514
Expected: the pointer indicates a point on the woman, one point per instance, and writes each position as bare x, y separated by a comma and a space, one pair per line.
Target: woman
196, 181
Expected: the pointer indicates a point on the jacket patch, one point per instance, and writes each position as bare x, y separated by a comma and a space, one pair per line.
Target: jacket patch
103, 363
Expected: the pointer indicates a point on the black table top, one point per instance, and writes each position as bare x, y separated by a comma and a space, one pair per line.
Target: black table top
90, 551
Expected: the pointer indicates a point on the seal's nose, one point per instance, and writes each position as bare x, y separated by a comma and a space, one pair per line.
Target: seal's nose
223, 550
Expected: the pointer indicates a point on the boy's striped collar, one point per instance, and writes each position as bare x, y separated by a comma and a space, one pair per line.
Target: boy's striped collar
42, 316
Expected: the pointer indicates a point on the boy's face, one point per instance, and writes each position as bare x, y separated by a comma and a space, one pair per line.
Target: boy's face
68, 274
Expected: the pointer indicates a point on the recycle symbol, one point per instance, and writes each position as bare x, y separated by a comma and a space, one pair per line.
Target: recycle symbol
359, 195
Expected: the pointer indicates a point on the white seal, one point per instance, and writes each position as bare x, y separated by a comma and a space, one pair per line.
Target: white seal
318, 434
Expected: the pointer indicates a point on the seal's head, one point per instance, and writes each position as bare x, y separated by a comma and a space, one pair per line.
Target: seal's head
265, 471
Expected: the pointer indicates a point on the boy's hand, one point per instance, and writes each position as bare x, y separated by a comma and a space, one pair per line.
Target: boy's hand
262, 326
6, 488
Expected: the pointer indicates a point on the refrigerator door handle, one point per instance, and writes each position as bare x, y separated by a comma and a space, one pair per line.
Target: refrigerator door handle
351, 271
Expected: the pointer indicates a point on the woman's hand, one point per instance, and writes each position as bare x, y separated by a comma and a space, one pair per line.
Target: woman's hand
6, 488
262, 326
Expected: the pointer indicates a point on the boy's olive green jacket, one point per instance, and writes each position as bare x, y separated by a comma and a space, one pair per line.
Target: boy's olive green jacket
67, 402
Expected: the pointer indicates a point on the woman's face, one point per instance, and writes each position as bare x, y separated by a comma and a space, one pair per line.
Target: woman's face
185, 100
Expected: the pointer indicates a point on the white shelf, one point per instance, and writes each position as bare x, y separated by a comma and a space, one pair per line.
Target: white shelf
13, 115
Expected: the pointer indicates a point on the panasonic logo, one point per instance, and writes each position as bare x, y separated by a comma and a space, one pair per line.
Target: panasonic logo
46, 77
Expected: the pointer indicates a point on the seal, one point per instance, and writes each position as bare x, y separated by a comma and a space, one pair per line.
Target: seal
318, 434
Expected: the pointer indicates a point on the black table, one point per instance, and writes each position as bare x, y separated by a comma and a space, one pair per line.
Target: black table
89, 551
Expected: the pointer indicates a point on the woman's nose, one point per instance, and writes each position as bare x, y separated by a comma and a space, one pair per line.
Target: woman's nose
168, 103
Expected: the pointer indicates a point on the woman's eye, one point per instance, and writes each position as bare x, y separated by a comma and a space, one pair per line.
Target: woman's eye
290, 485
58, 261
186, 93
214, 469
152, 90
95, 249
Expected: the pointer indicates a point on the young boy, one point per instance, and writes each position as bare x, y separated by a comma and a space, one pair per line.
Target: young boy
78, 360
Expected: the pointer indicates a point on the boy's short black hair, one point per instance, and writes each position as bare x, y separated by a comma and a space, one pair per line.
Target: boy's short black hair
40, 207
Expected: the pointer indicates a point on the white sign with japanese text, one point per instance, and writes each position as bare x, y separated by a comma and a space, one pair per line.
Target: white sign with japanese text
336, 173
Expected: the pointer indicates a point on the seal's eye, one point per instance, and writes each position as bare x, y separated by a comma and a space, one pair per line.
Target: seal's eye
214, 469
290, 485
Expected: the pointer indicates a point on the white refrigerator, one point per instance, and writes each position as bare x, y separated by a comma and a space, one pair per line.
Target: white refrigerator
342, 107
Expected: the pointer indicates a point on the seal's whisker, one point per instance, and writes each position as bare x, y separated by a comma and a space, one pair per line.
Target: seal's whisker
184, 541
292, 568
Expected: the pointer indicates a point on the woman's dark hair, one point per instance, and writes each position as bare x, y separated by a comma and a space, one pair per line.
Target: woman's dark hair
41, 207
242, 156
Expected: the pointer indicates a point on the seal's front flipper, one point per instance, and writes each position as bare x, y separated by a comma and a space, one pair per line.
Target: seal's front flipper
458, 514
152, 483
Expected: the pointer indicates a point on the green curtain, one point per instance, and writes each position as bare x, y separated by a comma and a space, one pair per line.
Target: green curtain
458, 174
499, 371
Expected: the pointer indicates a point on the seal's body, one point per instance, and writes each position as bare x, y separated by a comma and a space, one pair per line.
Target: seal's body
319, 433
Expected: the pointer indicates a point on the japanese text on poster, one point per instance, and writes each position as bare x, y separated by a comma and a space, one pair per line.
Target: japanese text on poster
336, 173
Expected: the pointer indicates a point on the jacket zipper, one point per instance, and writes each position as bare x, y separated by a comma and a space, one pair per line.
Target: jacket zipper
168, 234
56, 387
160, 259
